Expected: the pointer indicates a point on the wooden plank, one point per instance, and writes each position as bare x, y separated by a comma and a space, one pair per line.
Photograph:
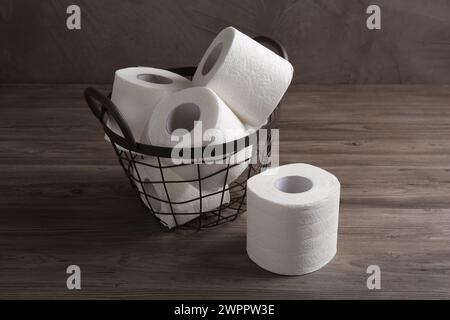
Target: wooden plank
65, 200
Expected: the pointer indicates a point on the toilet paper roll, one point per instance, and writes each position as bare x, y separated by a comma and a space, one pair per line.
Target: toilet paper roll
292, 218
197, 110
249, 77
181, 197
137, 91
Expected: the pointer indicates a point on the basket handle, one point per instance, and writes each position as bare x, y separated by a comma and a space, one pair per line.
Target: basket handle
275, 44
100, 105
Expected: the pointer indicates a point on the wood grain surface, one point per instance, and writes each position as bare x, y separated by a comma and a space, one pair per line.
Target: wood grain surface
65, 200
327, 41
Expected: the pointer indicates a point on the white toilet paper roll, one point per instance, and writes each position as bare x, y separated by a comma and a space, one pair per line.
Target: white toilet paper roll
181, 111
250, 78
137, 91
180, 198
292, 218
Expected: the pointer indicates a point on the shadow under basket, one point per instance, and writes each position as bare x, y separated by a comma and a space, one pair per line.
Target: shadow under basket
148, 167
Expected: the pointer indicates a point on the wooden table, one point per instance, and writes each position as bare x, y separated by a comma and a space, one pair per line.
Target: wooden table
65, 200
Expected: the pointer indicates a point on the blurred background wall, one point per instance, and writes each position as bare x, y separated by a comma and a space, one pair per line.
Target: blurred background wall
327, 40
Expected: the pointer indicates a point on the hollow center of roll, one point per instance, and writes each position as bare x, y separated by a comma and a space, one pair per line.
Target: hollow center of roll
212, 58
183, 117
154, 78
293, 184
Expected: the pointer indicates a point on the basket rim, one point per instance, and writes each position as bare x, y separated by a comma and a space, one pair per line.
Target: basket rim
166, 152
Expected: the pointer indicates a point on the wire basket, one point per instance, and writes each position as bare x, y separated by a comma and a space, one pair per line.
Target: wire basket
203, 208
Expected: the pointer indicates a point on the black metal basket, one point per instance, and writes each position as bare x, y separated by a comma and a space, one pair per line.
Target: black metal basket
228, 200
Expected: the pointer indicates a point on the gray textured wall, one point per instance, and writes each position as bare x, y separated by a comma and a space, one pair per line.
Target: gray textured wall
327, 40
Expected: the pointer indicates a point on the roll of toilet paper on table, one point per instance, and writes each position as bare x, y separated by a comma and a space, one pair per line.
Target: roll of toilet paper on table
177, 199
249, 77
197, 110
292, 218
137, 91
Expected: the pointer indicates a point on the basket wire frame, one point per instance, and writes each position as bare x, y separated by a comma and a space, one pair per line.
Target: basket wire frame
132, 163
132, 157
